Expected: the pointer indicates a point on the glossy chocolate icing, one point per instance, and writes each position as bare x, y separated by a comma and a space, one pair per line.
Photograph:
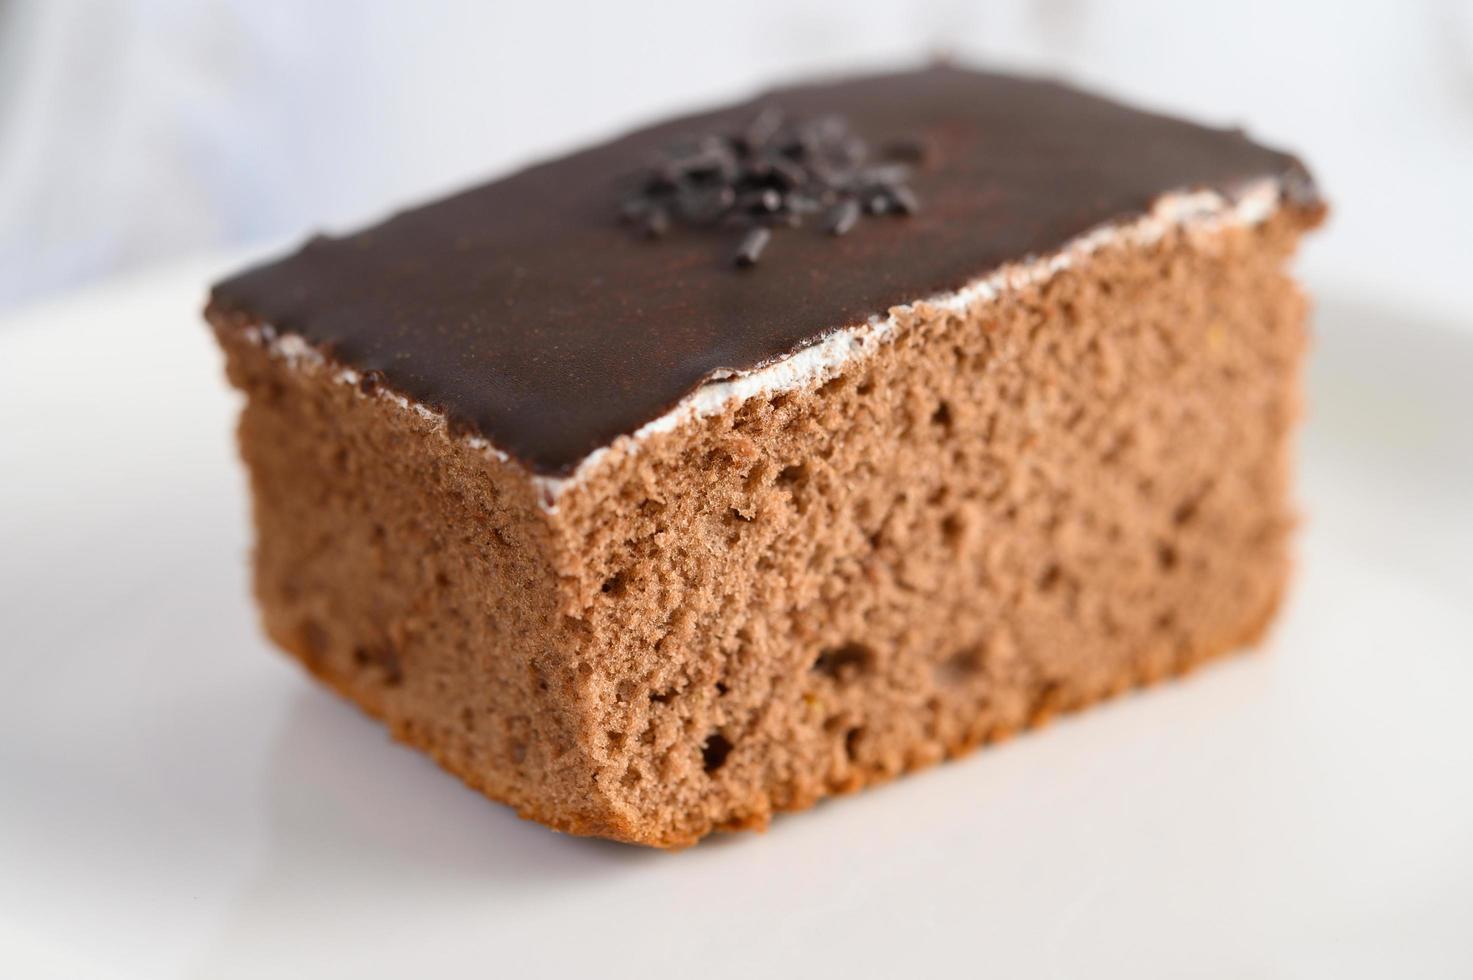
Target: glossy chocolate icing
524, 309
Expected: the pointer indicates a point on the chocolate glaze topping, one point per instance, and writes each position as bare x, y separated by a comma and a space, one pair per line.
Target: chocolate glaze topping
527, 312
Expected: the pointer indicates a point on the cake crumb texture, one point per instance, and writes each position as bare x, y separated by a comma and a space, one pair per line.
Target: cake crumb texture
998, 515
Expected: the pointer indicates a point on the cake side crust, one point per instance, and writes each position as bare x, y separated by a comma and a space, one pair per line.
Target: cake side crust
411, 572
1007, 511
734, 615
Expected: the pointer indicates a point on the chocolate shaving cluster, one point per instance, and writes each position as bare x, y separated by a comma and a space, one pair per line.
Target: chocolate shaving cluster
774, 173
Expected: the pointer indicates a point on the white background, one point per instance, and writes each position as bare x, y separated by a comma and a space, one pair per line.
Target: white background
176, 800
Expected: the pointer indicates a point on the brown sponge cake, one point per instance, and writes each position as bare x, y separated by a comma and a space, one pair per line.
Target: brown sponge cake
648, 544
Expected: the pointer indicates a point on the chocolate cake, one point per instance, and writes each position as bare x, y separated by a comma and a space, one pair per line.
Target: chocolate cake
775, 451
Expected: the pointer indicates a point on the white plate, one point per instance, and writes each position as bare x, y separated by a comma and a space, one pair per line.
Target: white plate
178, 800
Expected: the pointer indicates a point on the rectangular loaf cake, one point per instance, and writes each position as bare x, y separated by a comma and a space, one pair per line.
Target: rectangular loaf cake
776, 451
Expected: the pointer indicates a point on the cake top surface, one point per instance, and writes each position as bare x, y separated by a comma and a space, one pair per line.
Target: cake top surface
531, 315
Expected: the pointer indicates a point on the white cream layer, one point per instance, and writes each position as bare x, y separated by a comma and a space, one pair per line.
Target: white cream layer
818, 362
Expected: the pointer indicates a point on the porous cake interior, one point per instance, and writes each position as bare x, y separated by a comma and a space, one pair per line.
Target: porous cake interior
1002, 513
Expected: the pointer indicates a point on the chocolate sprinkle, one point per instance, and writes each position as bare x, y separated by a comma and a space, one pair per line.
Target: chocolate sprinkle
904, 200
773, 173
753, 242
656, 222
843, 216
